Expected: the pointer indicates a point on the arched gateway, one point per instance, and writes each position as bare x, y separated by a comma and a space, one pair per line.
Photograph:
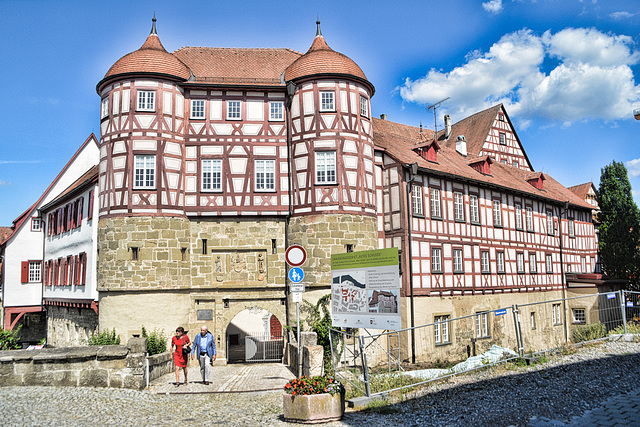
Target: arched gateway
254, 335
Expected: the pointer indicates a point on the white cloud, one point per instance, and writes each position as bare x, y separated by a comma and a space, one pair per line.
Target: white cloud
621, 15
18, 162
592, 80
633, 166
4, 183
493, 6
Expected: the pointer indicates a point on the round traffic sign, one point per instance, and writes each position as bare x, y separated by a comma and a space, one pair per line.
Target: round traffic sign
296, 274
295, 255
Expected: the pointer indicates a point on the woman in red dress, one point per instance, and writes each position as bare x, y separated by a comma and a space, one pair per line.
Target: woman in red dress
179, 340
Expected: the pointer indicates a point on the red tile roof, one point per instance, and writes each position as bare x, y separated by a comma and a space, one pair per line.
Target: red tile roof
5, 233
450, 163
581, 190
236, 65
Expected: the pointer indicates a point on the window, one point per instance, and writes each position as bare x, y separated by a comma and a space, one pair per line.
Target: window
484, 262
579, 315
233, 110
473, 208
549, 223
197, 108
364, 107
532, 317
457, 261
503, 139
265, 175
583, 264
348, 247
548, 260
515, 164
482, 325
276, 110
503, 161
34, 271
458, 201
104, 110
416, 199
274, 247
183, 254
134, 254
529, 218
571, 228
436, 260
204, 246
557, 319
327, 101
144, 173
518, 217
212, 175
500, 261
533, 268
435, 203
501, 117
520, 262
36, 224
497, 214
325, 167
146, 100
441, 329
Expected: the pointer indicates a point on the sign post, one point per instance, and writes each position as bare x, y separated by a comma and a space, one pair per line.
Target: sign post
295, 256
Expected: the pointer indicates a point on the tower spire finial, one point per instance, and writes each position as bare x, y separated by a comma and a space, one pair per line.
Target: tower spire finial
318, 32
153, 26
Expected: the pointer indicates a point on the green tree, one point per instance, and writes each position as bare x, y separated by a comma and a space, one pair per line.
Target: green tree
619, 225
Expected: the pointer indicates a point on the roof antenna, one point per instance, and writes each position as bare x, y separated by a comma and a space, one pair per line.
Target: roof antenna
318, 32
153, 26
420, 126
435, 122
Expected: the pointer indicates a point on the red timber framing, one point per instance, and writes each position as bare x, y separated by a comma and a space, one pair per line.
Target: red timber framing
12, 315
72, 303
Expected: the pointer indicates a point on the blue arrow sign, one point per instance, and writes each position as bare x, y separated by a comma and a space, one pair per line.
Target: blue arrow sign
296, 274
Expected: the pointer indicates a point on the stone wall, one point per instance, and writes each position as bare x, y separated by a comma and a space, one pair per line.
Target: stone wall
114, 366
69, 326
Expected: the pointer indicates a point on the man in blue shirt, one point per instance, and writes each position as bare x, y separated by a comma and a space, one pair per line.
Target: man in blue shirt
205, 347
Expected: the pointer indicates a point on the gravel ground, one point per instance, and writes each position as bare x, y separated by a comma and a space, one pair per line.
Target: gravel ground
563, 388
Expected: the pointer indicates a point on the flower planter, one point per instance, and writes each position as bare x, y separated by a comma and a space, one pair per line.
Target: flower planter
313, 408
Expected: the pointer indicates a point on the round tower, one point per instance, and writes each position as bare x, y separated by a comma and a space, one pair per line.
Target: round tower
332, 158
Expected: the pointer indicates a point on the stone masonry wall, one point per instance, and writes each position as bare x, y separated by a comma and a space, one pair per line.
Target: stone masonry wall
69, 326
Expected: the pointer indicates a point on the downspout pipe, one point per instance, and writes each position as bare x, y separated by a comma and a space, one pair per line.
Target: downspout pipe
291, 90
562, 277
412, 171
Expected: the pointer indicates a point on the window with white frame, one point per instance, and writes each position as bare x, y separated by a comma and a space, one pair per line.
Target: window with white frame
364, 106
265, 175
484, 262
583, 264
146, 100
234, 109
520, 262
518, 217
501, 117
550, 223
441, 329
482, 325
36, 224
503, 138
529, 218
571, 228
34, 271
497, 213
515, 164
548, 261
474, 209
458, 204
104, 110
532, 319
144, 171
416, 199
435, 203
556, 314
500, 261
325, 167
276, 111
212, 175
579, 316
197, 108
533, 268
436, 260
457, 261
327, 102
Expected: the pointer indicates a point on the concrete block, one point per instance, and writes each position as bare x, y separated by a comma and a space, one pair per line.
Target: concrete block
308, 339
11, 380
115, 351
115, 381
94, 378
313, 360
137, 345
314, 408
135, 361
135, 382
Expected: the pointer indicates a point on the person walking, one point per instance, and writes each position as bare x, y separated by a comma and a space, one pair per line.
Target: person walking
180, 359
205, 347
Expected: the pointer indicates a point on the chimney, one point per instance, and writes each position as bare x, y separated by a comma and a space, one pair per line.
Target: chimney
461, 144
447, 127
383, 116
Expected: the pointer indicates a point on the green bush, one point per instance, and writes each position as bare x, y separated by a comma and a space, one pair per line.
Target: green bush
156, 341
632, 328
588, 332
9, 339
104, 338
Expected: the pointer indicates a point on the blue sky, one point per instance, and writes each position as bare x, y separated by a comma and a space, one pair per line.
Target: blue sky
568, 71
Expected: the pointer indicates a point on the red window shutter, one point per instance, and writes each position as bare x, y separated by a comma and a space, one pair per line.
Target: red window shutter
84, 269
72, 214
24, 272
80, 206
90, 207
76, 272
46, 274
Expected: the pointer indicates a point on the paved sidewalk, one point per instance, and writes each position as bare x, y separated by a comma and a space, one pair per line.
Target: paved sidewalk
233, 378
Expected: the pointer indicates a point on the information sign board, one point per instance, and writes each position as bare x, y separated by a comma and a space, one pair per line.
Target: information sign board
296, 296
297, 287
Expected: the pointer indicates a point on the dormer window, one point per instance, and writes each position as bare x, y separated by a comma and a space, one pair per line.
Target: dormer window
537, 181
327, 101
146, 100
483, 165
429, 152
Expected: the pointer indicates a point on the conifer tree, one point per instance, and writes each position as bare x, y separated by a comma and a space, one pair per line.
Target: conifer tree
619, 226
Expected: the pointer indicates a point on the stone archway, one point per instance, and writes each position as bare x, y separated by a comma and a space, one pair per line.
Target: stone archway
254, 335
